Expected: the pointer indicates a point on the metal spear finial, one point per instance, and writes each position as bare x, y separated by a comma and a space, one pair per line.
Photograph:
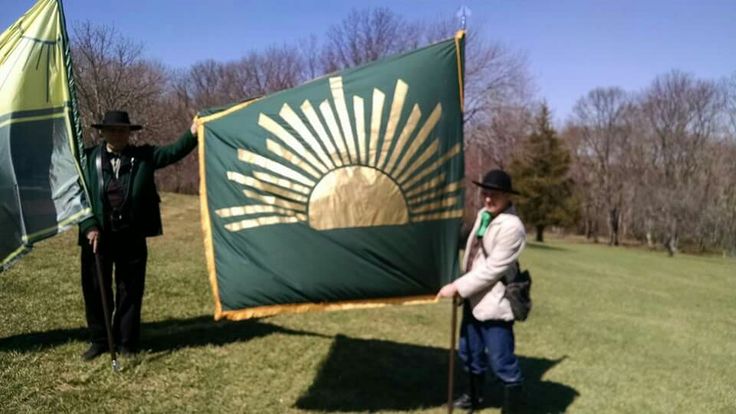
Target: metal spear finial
463, 13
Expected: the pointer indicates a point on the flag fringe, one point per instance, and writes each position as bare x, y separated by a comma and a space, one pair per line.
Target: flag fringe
271, 310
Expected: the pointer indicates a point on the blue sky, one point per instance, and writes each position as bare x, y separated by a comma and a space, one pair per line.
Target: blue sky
571, 46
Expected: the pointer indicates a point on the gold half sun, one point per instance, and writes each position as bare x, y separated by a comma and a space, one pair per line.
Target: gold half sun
347, 197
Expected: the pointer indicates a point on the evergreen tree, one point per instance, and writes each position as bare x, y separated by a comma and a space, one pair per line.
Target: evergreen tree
540, 173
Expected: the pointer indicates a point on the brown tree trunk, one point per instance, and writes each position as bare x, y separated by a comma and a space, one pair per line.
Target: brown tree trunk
540, 233
650, 234
672, 240
595, 231
613, 226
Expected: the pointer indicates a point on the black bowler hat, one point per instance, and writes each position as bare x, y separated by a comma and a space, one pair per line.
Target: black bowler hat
497, 180
116, 119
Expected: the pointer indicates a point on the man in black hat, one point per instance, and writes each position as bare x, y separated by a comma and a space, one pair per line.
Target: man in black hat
125, 206
486, 332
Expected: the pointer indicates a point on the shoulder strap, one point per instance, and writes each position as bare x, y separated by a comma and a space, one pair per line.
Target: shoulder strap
482, 246
507, 279
98, 167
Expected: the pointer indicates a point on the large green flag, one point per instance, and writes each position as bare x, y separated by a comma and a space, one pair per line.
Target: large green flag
343, 192
40, 188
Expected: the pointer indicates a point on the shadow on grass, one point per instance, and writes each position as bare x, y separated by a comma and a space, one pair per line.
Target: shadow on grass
158, 336
375, 375
542, 246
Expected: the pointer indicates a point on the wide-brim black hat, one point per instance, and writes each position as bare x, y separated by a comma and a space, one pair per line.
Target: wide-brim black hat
497, 180
116, 119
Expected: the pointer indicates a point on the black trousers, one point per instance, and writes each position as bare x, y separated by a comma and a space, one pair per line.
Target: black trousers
128, 254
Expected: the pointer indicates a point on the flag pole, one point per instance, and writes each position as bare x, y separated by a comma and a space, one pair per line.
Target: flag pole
451, 366
106, 311
463, 14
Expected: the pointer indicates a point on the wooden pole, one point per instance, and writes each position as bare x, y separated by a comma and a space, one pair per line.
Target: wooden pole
106, 311
451, 366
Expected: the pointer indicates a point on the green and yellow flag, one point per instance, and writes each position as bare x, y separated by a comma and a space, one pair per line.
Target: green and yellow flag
344, 192
40, 188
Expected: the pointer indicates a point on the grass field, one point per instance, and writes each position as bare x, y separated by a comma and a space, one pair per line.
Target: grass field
613, 331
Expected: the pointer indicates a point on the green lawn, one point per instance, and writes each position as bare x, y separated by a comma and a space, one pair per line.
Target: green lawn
613, 330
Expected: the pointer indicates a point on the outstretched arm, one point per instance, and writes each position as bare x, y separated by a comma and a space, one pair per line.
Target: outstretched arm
169, 154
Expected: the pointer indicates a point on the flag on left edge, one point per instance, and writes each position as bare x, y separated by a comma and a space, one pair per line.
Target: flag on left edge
41, 190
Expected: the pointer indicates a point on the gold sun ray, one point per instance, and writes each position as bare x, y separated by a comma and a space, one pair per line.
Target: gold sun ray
282, 182
273, 127
265, 187
338, 97
458, 213
256, 209
329, 117
260, 221
294, 159
409, 128
359, 112
316, 124
395, 116
276, 201
431, 184
297, 124
419, 139
435, 165
378, 100
265, 163
449, 188
437, 205
427, 154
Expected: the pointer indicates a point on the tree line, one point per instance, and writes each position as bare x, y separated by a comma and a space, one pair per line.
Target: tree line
654, 166
658, 165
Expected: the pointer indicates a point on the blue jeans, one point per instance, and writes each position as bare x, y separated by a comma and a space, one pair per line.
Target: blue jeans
484, 342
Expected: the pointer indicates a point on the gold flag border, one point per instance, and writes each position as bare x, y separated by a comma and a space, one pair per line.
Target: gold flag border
271, 310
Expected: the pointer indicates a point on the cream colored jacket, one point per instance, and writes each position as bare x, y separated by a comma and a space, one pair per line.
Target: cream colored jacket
504, 240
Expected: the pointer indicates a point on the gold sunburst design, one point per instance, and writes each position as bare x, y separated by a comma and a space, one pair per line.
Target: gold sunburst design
339, 174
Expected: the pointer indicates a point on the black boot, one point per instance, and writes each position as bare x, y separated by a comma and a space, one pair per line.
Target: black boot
94, 351
473, 399
514, 401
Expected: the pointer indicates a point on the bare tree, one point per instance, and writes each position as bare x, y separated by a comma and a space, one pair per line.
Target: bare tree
275, 69
729, 90
310, 55
212, 84
364, 36
496, 78
113, 74
657, 166
682, 115
603, 120
499, 108
583, 174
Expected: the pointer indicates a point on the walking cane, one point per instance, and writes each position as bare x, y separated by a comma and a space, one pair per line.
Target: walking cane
106, 311
451, 368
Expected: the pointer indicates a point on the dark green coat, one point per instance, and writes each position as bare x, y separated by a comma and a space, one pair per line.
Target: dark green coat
143, 198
